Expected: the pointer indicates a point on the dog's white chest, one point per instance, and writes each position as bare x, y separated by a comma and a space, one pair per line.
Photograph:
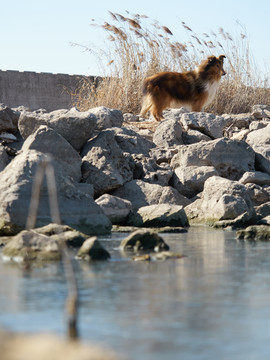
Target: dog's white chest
211, 88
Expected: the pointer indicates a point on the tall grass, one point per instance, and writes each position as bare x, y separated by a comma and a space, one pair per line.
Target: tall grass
138, 47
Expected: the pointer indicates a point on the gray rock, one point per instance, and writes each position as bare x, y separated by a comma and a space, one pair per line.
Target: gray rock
4, 159
142, 240
107, 118
92, 250
189, 180
115, 208
194, 136
76, 127
77, 208
257, 194
221, 199
230, 158
8, 119
260, 111
259, 140
159, 216
168, 133
208, 124
48, 141
255, 177
32, 246
141, 193
105, 165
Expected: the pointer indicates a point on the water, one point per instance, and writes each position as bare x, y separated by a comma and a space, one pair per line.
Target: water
212, 304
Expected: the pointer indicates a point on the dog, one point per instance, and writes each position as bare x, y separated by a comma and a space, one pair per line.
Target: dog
192, 89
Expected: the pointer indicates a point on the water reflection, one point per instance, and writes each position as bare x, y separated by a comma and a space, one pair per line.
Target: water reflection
214, 303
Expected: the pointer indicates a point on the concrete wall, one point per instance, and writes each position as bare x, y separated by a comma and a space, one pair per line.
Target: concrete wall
37, 90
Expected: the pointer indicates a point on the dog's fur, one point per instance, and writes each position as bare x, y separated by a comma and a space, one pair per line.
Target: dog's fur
192, 89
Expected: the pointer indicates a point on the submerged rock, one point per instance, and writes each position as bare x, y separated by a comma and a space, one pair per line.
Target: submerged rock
91, 250
141, 240
255, 232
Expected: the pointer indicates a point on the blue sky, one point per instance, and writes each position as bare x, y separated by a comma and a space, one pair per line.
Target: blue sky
37, 36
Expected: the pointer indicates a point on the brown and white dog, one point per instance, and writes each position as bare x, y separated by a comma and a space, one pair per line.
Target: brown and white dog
192, 89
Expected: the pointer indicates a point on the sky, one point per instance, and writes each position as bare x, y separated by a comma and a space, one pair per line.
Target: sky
38, 35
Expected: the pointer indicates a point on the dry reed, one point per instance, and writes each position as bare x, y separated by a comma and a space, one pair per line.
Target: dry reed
138, 48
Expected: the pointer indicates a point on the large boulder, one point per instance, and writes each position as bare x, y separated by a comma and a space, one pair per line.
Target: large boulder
230, 158
48, 141
115, 208
221, 199
92, 250
141, 193
76, 204
76, 127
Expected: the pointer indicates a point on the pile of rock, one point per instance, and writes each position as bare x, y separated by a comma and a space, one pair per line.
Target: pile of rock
194, 168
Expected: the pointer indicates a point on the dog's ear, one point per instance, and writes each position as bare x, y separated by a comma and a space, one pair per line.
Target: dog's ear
211, 59
222, 57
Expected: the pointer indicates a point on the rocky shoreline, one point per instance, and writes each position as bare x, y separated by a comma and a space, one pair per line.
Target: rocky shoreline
118, 169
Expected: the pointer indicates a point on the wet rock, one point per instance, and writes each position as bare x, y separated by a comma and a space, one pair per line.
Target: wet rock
32, 246
76, 127
115, 208
159, 216
141, 240
141, 193
255, 232
230, 158
92, 250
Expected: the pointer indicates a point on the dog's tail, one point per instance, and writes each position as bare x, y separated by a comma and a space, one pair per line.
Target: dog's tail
147, 98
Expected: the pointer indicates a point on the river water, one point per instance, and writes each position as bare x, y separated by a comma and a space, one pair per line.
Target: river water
212, 304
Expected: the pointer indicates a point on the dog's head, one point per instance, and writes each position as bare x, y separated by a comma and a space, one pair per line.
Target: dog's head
215, 65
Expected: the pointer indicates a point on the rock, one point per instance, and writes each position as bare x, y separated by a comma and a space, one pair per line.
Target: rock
48, 347
264, 221
144, 257
107, 118
77, 208
221, 199
194, 136
259, 140
165, 255
76, 127
263, 210
260, 111
4, 159
105, 165
115, 208
141, 193
255, 232
257, 125
168, 133
92, 250
230, 158
64, 158
8, 119
159, 216
255, 177
208, 124
142, 240
189, 180
257, 194
52, 229
33, 246
239, 121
